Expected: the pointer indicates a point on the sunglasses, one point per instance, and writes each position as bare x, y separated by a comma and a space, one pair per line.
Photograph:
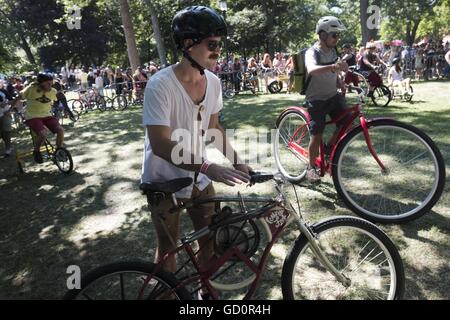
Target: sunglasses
212, 45
335, 35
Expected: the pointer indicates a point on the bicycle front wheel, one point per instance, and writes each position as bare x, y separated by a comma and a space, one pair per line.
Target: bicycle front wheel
100, 103
411, 185
124, 280
63, 160
357, 249
291, 145
120, 102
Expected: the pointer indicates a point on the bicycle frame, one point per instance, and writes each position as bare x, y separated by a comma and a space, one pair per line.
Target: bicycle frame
277, 213
321, 162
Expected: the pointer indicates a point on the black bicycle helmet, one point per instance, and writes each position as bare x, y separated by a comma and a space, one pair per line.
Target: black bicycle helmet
197, 23
396, 60
43, 77
347, 46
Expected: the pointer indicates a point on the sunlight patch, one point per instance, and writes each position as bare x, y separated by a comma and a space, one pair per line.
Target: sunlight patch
45, 233
91, 226
279, 251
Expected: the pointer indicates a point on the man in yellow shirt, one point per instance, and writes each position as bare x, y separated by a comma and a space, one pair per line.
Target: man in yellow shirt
40, 97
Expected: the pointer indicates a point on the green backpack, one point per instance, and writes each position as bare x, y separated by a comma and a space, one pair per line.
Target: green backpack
301, 76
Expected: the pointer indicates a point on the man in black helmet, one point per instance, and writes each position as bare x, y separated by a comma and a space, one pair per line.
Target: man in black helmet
181, 105
40, 96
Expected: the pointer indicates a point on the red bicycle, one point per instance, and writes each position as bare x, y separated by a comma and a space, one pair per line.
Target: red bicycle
337, 258
384, 170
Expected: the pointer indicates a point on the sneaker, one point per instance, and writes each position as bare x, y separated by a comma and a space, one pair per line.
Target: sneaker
38, 156
312, 175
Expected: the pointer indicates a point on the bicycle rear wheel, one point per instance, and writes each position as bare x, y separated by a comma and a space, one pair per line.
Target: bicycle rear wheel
124, 280
275, 86
412, 184
358, 249
382, 96
291, 145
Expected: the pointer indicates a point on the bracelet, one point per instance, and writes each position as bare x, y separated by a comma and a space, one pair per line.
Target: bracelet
205, 166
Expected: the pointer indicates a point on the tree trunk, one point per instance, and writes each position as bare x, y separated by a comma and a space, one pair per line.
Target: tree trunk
26, 47
412, 35
133, 55
157, 33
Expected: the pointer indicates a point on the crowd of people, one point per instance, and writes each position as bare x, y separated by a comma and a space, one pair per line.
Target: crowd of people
256, 68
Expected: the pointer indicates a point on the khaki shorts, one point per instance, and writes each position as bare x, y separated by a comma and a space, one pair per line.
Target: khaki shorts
163, 221
206, 209
5, 124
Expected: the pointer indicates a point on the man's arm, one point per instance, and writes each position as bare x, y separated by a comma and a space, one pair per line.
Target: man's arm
162, 146
314, 69
447, 57
225, 146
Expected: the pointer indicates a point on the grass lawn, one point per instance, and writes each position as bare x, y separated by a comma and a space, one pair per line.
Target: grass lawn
97, 214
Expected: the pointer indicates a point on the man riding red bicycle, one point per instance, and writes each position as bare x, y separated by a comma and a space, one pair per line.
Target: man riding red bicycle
368, 67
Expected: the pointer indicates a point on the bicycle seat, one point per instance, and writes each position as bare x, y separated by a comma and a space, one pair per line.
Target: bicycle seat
353, 68
260, 177
170, 186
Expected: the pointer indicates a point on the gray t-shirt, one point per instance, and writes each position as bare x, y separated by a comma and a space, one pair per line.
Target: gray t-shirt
322, 86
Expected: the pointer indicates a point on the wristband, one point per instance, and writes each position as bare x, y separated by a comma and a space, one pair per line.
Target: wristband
205, 166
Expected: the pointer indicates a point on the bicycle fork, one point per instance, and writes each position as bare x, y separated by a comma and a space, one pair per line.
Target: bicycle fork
372, 151
318, 252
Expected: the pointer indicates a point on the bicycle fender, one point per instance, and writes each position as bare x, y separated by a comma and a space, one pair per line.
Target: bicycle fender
302, 110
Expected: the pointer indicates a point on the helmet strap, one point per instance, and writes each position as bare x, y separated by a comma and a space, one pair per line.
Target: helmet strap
194, 63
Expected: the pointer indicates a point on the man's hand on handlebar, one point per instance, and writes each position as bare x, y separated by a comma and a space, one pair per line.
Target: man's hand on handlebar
341, 66
226, 175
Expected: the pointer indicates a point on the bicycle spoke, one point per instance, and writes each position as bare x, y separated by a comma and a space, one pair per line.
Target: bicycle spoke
122, 291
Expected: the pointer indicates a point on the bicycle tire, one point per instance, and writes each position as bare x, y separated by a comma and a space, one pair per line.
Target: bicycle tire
397, 285
120, 102
389, 185
127, 266
74, 116
100, 103
275, 87
67, 157
384, 93
409, 95
294, 171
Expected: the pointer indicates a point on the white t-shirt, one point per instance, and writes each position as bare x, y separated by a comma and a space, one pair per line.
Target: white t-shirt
396, 76
99, 82
166, 103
